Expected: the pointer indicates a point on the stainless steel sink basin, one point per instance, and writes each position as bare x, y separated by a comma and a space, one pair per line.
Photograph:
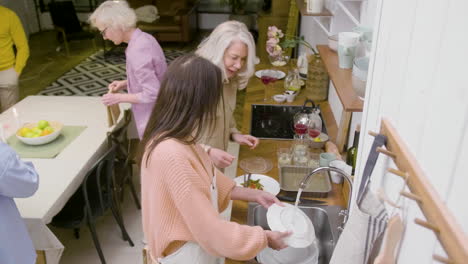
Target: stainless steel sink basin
325, 218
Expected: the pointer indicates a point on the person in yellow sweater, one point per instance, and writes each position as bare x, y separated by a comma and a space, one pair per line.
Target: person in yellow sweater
11, 65
182, 191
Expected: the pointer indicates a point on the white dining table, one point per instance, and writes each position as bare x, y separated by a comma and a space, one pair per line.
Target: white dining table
61, 176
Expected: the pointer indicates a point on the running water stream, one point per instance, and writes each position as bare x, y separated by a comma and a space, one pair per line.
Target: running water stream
298, 197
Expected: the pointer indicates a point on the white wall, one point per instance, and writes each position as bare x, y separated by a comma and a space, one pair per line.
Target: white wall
418, 80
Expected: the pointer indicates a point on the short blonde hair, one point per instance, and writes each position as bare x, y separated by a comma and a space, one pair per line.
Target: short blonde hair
114, 14
215, 45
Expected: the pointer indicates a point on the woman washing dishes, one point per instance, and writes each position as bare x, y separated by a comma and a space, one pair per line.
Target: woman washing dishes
182, 191
232, 48
145, 61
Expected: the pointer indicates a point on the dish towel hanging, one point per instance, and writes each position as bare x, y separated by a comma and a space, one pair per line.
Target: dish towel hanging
367, 221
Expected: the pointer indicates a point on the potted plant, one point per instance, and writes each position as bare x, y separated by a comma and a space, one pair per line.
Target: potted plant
238, 11
237, 6
317, 76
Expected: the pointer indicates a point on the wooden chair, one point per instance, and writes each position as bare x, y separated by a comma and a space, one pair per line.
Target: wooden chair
125, 158
66, 22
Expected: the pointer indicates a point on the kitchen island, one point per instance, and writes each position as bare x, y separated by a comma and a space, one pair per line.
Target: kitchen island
268, 147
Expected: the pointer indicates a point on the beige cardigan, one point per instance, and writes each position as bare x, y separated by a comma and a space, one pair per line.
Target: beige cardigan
225, 122
176, 205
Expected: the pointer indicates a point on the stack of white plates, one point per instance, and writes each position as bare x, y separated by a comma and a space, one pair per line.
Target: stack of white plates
302, 243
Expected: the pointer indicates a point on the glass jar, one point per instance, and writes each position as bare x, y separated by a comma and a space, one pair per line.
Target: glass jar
293, 82
284, 156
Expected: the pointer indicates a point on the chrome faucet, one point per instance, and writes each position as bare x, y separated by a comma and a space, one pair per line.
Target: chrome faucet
343, 174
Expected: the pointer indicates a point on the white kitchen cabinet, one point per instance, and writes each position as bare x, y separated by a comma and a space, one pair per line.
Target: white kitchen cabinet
344, 16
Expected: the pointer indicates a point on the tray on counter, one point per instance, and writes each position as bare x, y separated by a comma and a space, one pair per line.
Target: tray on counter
290, 177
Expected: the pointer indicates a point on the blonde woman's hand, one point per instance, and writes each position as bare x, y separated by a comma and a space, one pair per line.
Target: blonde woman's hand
248, 140
116, 86
276, 239
220, 158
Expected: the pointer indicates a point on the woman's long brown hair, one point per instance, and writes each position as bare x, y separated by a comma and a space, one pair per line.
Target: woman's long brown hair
186, 104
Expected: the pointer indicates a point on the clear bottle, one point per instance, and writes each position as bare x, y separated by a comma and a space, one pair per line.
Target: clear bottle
351, 154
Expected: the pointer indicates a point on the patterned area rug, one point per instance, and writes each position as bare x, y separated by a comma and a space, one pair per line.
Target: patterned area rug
91, 76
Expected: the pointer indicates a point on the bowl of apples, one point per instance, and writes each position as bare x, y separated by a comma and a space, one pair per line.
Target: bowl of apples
39, 133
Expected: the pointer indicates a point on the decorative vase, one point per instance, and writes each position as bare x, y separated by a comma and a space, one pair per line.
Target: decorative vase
317, 79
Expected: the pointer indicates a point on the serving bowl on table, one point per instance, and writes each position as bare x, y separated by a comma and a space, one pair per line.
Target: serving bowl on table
41, 140
319, 141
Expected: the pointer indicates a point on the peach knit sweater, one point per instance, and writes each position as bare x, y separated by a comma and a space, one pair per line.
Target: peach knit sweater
176, 205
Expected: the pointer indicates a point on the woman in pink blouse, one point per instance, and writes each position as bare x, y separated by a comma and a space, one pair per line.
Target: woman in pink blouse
145, 65
182, 191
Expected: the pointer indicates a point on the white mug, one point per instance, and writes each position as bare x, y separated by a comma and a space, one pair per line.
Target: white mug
339, 164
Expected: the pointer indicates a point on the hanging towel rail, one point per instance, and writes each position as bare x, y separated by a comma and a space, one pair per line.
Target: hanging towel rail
439, 218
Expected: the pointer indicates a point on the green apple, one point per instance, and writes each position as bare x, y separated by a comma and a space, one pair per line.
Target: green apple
36, 130
48, 129
24, 130
42, 124
29, 134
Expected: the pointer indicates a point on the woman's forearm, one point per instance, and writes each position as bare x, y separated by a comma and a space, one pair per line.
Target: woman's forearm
244, 194
129, 98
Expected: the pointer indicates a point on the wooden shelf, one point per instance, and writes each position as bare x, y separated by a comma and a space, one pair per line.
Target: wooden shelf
341, 79
303, 8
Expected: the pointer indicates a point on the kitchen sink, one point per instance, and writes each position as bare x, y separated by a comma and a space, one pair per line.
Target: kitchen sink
325, 218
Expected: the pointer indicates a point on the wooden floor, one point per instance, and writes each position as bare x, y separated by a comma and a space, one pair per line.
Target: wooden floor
46, 64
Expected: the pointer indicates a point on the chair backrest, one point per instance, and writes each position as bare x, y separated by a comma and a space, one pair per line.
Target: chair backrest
98, 184
63, 15
95, 192
118, 136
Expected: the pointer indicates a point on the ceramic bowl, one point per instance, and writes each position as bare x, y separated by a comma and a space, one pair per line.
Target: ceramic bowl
319, 144
333, 42
57, 126
279, 98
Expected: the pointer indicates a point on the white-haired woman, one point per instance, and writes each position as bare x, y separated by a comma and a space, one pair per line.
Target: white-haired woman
232, 48
145, 61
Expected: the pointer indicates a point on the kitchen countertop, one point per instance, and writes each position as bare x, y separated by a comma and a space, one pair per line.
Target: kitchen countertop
268, 147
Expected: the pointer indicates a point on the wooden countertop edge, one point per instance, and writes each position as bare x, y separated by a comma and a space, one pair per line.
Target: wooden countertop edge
341, 79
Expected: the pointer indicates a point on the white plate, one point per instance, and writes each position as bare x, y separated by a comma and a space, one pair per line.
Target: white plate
269, 184
288, 218
290, 255
273, 73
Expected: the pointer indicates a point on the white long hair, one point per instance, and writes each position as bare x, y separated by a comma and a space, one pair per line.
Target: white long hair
214, 46
115, 14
